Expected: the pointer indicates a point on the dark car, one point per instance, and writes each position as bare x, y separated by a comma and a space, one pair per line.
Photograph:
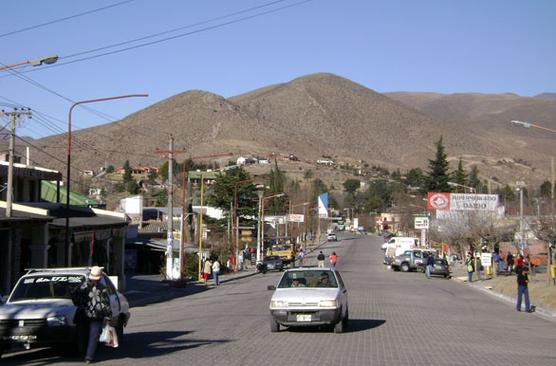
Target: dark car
441, 268
274, 262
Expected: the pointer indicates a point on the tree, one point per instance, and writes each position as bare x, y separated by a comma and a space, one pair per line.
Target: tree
546, 189
277, 183
132, 186
222, 194
127, 172
318, 187
151, 177
415, 177
162, 198
474, 180
110, 169
438, 177
308, 174
460, 176
351, 186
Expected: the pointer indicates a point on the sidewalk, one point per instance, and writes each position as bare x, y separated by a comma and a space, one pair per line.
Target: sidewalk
505, 288
143, 290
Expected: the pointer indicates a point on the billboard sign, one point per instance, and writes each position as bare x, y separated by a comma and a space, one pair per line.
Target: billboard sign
296, 218
441, 201
421, 222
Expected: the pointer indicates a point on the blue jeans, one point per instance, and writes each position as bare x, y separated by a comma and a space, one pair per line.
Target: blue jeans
469, 276
429, 270
216, 276
523, 290
95, 327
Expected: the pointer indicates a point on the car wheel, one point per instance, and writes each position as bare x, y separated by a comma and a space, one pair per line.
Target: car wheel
346, 319
339, 327
1, 351
274, 326
405, 267
445, 276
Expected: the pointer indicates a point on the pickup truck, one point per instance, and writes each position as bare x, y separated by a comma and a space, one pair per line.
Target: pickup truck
409, 260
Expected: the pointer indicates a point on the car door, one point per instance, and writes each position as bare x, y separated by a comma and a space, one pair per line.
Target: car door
115, 305
343, 293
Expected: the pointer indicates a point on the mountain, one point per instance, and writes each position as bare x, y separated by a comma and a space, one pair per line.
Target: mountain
549, 96
316, 115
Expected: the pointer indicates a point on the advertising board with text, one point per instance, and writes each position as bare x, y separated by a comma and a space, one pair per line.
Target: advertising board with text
442, 201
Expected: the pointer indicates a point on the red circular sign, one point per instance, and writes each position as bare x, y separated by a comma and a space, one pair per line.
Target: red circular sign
439, 201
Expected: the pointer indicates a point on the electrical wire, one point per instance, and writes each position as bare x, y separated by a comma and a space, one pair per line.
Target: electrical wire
64, 18
216, 26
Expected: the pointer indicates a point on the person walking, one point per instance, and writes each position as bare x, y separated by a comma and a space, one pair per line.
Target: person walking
93, 304
523, 288
216, 272
510, 262
430, 264
300, 257
469, 267
207, 268
478, 268
246, 258
333, 259
320, 260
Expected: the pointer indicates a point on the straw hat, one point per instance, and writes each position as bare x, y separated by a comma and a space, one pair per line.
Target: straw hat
95, 274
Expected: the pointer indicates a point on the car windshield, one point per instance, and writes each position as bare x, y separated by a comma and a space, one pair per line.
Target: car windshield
324, 278
272, 258
46, 287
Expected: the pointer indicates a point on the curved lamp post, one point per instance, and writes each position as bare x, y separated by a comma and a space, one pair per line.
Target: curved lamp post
68, 173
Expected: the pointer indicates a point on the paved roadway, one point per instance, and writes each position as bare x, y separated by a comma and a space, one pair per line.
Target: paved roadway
396, 319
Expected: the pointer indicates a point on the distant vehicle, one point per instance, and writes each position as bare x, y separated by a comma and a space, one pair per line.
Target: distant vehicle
441, 268
396, 246
331, 237
285, 251
40, 311
341, 225
409, 260
309, 297
274, 262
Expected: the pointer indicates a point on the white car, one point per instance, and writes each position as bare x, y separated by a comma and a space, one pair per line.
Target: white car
331, 237
309, 297
40, 312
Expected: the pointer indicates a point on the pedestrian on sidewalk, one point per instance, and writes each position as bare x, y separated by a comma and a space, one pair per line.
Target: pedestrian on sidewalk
510, 262
523, 289
216, 272
207, 268
246, 258
320, 259
469, 265
478, 268
333, 259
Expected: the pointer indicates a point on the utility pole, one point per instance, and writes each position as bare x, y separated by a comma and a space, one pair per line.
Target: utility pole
14, 115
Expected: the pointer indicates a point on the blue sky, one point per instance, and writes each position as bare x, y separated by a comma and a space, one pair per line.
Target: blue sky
388, 45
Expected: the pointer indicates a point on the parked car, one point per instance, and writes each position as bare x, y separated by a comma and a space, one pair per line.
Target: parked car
40, 312
409, 260
273, 262
441, 268
309, 297
332, 237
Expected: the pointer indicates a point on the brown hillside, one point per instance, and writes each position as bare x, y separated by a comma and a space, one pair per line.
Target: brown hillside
315, 115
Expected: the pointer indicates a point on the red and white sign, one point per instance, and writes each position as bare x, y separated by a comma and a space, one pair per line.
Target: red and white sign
438, 201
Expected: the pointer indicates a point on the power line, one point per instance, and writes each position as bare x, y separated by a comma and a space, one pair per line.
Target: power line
64, 18
216, 26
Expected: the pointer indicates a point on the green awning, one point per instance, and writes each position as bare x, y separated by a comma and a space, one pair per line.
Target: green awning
48, 193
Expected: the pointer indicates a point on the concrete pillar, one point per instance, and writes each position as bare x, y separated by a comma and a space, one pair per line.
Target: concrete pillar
39, 246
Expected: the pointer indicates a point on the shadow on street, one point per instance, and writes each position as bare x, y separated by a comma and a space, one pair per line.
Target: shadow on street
355, 325
135, 346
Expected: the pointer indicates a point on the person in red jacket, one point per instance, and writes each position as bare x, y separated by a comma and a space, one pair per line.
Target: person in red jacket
333, 259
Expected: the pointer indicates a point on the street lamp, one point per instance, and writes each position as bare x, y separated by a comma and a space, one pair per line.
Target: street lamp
69, 155
9, 192
453, 184
47, 60
529, 125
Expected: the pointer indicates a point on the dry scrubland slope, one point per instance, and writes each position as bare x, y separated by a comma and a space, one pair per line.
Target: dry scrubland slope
319, 114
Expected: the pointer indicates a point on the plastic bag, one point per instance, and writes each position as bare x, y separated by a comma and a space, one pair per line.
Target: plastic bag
109, 336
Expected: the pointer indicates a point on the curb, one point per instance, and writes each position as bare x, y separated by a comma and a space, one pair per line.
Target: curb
542, 312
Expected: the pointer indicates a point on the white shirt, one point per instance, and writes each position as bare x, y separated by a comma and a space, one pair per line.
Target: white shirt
216, 266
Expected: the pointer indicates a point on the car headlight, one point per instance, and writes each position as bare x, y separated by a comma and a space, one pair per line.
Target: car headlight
274, 304
56, 321
328, 304
397, 260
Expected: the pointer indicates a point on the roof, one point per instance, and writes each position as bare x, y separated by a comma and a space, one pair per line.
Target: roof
79, 216
18, 216
48, 193
22, 170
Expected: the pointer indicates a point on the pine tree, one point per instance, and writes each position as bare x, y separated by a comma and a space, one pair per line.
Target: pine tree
474, 180
127, 172
460, 175
438, 177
